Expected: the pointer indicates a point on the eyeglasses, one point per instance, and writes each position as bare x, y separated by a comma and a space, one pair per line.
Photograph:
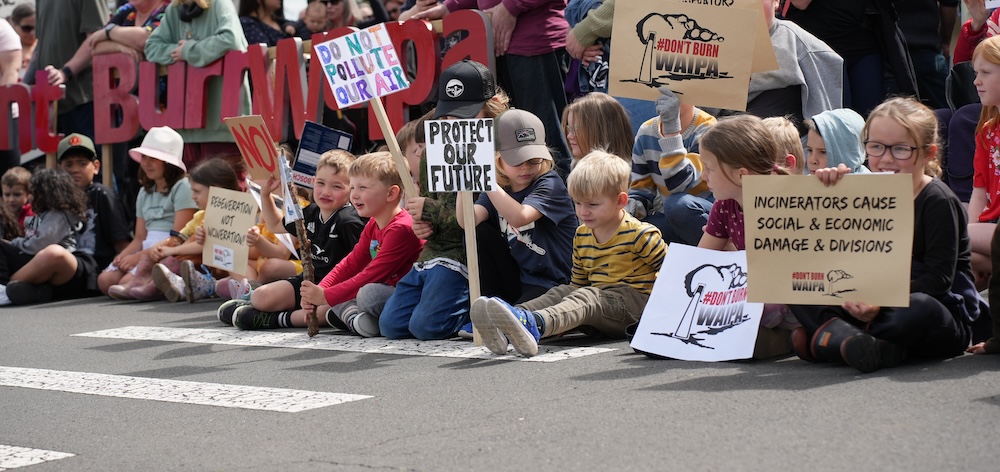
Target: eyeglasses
531, 162
570, 130
899, 152
331, 2
27, 28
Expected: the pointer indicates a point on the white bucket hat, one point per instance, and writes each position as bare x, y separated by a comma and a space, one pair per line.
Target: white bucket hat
161, 143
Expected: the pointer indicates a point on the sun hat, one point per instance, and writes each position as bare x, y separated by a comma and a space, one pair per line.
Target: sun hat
161, 143
463, 89
520, 137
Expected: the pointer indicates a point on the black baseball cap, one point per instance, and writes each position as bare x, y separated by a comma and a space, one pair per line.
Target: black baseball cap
463, 89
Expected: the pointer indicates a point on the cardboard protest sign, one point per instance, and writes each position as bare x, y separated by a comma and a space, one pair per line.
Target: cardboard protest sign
702, 53
227, 218
698, 310
361, 66
763, 52
316, 139
460, 155
254, 141
814, 245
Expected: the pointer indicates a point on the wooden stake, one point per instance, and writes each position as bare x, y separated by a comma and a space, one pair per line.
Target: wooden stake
107, 166
471, 255
409, 188
305, 255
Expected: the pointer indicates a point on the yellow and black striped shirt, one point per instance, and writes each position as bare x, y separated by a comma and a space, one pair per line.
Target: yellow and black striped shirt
632, 256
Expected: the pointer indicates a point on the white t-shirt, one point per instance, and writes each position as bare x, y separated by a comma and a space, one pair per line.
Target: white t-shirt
9, 41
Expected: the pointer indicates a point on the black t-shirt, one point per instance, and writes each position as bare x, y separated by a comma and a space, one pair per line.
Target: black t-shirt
841, 24
919, 20
106, 225
331, 240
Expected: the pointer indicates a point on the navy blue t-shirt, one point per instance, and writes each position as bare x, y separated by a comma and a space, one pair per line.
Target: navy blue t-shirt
543, 249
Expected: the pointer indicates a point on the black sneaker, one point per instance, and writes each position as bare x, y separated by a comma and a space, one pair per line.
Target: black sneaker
26, 293
248, 317
226, 310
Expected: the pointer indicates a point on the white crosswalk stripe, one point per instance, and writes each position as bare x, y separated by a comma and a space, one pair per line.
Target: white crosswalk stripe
12, 457
299, 340
176, 391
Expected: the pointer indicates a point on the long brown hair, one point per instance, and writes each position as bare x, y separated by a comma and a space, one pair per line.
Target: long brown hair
600, 122
742, 141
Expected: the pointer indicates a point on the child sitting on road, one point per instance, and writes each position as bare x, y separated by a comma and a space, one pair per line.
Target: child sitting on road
432, 299
57, 272
616, 259
332, 226
352, 295
61, 219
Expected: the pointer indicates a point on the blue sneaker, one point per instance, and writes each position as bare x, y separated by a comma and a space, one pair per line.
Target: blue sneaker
465, 332
517, 324
492, 338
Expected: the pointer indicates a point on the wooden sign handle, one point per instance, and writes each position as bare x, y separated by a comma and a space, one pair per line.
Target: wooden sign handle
390, 139
471, 255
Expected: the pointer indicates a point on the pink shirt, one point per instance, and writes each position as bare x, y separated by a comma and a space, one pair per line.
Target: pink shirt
541, 27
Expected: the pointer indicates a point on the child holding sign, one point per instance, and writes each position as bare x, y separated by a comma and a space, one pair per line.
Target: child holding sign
352, 295
734, 147
901, 136
166, 280
615, 261
333, 228
163, 205
432, 300
532, 215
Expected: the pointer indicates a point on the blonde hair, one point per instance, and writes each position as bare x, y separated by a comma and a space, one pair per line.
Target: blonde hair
742, 141
787, 137
612, 132
599, 173
408, 133
503, 179
496, 105
919, 121
379, 166
340, 161
989, 50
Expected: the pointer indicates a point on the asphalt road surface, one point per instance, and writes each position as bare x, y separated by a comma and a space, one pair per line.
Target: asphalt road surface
102, 385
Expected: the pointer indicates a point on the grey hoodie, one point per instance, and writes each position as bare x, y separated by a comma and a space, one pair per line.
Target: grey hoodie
841, 133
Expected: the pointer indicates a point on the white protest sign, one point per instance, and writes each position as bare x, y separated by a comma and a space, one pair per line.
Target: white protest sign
992, 4
227, 218
460, 155
284, 238
361, 66
293, 211
698, 309
810, 244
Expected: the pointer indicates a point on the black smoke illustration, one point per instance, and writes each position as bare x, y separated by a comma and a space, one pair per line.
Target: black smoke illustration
659, 23
705, 278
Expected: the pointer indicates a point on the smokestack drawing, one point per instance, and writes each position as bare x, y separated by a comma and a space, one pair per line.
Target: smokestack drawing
646, 69
684, 328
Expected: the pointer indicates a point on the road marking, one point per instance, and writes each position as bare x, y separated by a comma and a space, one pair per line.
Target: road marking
299, 340
12, 457
176, 391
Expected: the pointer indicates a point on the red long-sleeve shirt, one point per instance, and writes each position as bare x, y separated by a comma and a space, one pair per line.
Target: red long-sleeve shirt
382, 255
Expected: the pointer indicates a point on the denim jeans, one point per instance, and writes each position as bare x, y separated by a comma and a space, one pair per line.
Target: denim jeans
427, 304
682, 219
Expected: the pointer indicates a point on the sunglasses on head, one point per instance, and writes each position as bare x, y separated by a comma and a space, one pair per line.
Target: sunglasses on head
27, 28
